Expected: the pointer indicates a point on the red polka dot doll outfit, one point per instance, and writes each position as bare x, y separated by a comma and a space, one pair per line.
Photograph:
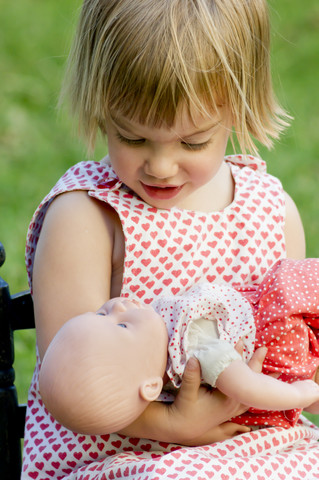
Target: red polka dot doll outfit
167, 252
281, 313
286, 311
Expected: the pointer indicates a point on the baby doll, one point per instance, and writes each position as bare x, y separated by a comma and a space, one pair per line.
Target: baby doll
121, 350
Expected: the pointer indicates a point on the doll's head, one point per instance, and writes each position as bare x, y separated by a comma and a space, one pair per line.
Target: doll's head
144, 60
102, 369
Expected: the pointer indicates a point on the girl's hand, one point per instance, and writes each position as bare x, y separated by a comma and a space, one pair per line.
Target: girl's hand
198, 414
224, 431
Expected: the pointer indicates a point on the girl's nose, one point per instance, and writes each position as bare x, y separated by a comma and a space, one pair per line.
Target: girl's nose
161, 166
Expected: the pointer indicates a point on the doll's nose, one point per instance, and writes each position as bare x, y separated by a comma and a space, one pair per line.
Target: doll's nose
118, 306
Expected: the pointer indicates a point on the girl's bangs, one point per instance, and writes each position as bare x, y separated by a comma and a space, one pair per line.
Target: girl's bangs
156, 102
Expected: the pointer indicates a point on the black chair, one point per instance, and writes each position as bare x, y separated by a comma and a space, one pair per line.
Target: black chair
16, 313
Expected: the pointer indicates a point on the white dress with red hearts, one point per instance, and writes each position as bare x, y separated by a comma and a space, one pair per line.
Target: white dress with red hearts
167, 252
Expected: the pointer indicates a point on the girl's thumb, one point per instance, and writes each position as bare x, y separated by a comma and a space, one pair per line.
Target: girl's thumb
256, 361
191, 377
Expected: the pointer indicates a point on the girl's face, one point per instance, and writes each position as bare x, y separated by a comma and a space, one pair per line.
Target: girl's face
173, 166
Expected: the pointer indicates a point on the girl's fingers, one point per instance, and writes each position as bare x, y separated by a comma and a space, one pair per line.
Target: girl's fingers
256, 361
240, 347
191, 379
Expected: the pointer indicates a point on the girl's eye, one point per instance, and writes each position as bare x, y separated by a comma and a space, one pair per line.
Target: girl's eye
195, 146
130, 141
122, 325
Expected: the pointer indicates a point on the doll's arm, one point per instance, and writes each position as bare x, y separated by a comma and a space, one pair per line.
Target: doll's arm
262, 391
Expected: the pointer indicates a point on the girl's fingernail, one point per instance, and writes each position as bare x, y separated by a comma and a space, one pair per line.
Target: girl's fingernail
192, 363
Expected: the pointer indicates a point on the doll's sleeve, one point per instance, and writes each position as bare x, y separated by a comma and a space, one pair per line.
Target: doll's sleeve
213, 353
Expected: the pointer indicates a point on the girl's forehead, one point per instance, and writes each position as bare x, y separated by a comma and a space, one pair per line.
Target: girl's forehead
184, 122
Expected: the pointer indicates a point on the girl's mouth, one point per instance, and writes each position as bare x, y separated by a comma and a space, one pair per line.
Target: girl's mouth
161, 192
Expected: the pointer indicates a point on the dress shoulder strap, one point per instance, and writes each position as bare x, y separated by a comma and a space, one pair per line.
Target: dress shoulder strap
86, 176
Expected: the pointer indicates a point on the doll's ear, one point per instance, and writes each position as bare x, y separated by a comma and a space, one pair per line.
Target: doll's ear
151, 388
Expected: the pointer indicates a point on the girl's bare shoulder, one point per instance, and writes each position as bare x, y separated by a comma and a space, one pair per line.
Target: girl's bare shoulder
78, 206
294, 231
73, 264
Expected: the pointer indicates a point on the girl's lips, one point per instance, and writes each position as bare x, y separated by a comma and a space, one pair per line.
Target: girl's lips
161, 193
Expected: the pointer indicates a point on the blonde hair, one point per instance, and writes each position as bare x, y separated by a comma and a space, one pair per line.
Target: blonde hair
143, 59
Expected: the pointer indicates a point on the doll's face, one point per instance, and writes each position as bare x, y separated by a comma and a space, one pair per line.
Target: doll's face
131, 318
136, 335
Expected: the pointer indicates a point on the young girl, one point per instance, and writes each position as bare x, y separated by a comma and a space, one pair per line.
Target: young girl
166, 82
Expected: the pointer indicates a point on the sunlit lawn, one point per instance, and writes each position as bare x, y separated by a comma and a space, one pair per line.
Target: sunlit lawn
37, 144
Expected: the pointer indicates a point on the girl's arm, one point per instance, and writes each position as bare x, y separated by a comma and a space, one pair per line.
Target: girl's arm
73, 263
264, 392
294, 232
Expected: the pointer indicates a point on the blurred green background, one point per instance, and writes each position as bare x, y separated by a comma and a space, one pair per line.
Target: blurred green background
37, 143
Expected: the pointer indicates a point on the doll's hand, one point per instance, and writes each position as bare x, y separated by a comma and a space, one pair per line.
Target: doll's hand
307, 392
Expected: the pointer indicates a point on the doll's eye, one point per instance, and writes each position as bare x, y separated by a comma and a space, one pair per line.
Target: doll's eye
122, 325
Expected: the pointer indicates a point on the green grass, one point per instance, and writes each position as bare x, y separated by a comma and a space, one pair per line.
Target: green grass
37, 144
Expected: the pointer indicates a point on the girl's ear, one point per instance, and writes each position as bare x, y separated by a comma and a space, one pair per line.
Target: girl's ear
151, 388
